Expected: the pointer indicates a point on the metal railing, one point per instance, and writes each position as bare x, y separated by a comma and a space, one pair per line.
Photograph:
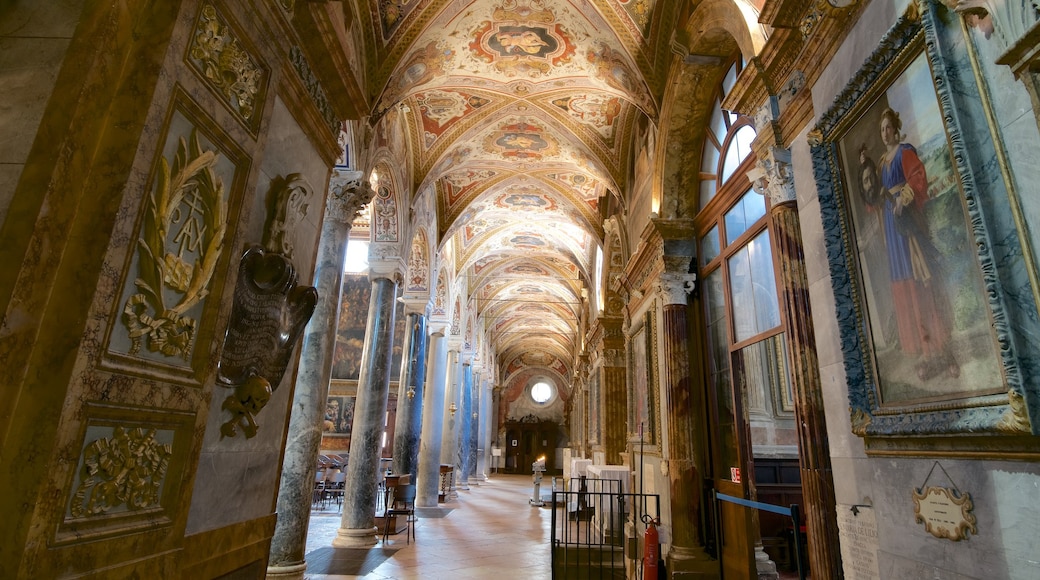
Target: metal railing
597, 530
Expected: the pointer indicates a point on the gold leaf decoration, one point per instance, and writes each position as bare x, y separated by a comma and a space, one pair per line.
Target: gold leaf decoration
190, 197
126, 469
224, 64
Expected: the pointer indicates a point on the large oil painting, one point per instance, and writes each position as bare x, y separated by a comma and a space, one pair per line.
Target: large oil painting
922, 289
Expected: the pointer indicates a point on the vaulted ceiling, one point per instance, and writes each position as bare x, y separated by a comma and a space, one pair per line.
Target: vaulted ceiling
521, 117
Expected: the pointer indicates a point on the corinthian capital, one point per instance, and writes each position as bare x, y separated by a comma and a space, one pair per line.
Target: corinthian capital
347, 195
772, 176
674, 287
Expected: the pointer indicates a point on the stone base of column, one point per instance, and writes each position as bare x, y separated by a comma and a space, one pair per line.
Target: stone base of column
765, 567
463, 485
691, 563
291, 572
355, 538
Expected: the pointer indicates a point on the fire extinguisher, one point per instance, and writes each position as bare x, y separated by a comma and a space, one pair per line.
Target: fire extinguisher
650, 548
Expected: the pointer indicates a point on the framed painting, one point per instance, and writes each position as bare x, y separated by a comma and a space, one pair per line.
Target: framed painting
921, 342
339, 415
594, 407
641, 418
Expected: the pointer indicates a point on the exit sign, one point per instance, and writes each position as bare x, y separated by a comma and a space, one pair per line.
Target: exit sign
734, 474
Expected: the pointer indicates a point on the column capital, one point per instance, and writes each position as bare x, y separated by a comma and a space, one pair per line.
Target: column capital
675, 287
348, 193
415, 305
437, 327
772, 176
392, 268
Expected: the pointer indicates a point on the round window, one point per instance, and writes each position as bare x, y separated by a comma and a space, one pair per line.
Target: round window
541, 392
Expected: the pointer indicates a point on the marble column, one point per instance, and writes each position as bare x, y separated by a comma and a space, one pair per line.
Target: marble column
359, 500
410, 392
428, 478
451, 391
483, 431
614, 392
814, 457
467, 449
346, 196
684, 452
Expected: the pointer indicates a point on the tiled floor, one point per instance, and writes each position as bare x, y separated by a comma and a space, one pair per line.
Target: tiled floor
490, 531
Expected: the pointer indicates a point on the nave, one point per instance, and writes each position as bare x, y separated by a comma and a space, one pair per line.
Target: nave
490, 531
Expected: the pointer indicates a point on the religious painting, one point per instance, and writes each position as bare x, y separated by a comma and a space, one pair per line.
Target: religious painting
521, 141
522, 40
919, 332
641, 420
350, 330
339, 415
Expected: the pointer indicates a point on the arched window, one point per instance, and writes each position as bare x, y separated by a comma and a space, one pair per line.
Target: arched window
744, 325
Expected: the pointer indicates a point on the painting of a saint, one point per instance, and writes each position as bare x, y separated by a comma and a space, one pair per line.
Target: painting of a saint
922, 287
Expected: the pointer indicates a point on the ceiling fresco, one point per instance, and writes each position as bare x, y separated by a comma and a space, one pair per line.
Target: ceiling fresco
520, 117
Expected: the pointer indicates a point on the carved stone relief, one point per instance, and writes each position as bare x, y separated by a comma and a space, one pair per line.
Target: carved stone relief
314, 89
288, 203
121, 472
267, 317
218, 57
181, 239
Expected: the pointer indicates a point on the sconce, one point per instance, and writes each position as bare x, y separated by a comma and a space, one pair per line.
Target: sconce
410, 393
475, 415
452, 409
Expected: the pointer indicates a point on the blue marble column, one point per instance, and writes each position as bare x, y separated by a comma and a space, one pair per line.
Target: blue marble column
467, 453
483, 433
359, 500
429, 478
410, 394
286, 560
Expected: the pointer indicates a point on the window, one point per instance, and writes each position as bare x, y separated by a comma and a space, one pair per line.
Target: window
541, 392
746, 351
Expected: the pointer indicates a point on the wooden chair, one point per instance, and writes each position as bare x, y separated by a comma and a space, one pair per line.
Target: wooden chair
402, 504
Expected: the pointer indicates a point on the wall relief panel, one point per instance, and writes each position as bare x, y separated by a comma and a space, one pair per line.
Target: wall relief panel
180, 240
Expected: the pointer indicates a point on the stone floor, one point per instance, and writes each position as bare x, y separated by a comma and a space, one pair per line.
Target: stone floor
490, 531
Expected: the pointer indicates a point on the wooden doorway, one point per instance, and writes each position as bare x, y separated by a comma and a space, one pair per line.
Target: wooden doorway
526, 442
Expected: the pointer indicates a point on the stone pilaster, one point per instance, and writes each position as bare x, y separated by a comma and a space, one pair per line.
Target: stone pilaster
359, 501
613, 391
347, 194
814, 457
410, 392
428, 478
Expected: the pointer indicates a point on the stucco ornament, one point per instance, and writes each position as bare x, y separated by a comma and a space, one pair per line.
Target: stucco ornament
126, 469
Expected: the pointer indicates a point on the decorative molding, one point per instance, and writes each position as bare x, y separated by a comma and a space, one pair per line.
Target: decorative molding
314, 88
288, 204
219, 59
187, 210
774, 176
287, 5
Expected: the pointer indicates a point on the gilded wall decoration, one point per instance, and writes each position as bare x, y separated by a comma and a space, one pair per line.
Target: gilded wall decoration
267, 318
219, 58
121, 472
314, 89
418, 265
181, 239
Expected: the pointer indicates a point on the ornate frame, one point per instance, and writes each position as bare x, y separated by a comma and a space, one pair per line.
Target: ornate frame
910, 427
643, 334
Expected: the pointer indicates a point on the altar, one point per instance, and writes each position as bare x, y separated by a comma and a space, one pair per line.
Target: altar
609, 500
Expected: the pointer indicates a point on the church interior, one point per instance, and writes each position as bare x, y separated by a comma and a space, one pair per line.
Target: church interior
721, 257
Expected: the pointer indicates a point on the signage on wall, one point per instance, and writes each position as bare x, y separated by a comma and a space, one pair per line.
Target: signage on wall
945, 513
734, 474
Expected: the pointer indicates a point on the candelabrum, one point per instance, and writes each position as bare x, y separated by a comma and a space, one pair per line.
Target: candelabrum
537, 468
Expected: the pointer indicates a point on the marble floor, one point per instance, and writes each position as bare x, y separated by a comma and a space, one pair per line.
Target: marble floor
489, 531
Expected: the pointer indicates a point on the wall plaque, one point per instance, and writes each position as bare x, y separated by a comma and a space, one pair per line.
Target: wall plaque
859, 543
268, 315
945, 513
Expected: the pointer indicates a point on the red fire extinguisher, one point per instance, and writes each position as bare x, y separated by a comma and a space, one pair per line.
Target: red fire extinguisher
650, 549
